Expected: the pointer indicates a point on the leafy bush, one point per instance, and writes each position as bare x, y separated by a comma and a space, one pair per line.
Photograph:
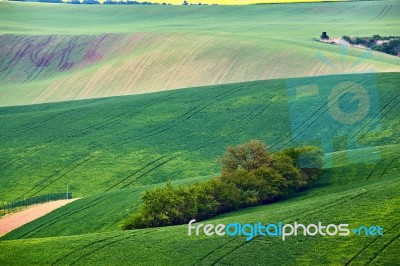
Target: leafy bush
164, 206
308, 159
250, 176
248, 156
391, 44
391, 47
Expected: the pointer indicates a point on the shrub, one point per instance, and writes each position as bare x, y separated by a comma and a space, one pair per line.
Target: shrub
164, 206
348, 39
250, 176
248, 156
308, 159
391, 46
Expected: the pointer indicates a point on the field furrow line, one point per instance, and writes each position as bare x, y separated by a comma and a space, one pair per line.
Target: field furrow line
387, 11
383, 248
59, 260
240, 52
64, 174
191, 54
125, 88
135, 172
18, 56
48, 91
149, 59
40, 183
384, 115
353, 139
41, 226
201, 146
106, 244
44, 61
334, 203
45, 122
55, 219
188, 114
383, 10
388, 165
334, 99
368, 245
94, 80
12, 45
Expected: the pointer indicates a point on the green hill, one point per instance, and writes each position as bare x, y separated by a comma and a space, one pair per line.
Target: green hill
133, 143
113, 143
355, 194
64, 52
115, 100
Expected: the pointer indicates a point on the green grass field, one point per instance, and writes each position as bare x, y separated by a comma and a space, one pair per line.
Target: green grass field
114, 143
185, 140
346, 194
116, 100
64, 52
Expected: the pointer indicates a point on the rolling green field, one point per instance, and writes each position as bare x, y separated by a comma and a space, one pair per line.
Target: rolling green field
64, 52
110, 150
355, 194
114, 143
112, 101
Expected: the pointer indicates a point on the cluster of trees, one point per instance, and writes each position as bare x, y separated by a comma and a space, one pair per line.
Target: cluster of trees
186, 3
128, 2
107, 2
250, 176
389, 45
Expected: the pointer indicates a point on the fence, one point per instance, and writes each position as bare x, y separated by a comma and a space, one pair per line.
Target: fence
36, 200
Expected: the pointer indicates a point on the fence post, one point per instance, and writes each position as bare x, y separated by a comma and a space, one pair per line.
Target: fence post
35, 200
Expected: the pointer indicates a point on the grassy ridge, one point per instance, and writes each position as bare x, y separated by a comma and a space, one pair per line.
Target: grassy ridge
347, 194
110, 150
104, 217
125, 19
161, 48
113, 143
104, 145
343, 177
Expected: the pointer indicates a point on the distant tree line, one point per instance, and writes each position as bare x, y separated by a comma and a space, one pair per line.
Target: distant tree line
389, 45
107, 2
250, 176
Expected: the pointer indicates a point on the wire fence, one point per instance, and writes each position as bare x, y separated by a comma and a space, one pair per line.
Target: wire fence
36, 200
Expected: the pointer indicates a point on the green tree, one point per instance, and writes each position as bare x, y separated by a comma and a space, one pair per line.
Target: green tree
250, 176
248, 156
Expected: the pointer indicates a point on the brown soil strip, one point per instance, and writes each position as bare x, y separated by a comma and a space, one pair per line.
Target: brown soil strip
14, 220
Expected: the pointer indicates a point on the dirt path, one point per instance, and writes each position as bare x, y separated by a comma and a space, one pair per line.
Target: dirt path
14, 220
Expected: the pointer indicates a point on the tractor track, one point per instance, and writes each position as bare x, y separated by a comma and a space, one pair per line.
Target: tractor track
334, 99
388, 165
383, 10
352, 140
201, 146
315, 210
187, 115
55, 219
384, 247
109, 121
368, 245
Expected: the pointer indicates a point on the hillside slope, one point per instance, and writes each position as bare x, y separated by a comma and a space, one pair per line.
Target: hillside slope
113, 143
63, 52
110, 150
354, 194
